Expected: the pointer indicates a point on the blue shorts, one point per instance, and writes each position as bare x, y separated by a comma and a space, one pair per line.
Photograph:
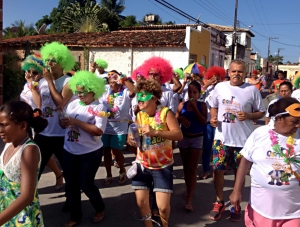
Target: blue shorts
160, 180
114, 141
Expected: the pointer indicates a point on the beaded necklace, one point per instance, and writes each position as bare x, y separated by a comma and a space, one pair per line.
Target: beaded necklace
157, 123
289, 154
112, 109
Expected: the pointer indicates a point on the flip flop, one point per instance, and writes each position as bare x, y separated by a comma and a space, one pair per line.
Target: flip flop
122, 178
189, 207
98, 217
107, 181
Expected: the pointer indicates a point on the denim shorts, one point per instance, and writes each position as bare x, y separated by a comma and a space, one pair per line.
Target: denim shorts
160, 180
114, 141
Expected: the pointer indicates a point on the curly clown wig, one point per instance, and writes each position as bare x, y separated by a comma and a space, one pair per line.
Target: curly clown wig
136, 72
179, 72
215, 70
101, 63
60, 53
89, 81
159, 65
296, 80
34, 62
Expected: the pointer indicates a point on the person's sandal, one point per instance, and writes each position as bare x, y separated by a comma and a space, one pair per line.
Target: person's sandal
189, 207
98, 217
116, 164
107, 181
70, 223
59, 186
204, 176
122, 178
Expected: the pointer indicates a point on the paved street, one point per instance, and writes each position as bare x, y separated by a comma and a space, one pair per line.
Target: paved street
121, 208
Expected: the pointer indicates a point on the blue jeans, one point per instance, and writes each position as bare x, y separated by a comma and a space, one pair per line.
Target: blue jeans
79, 173
209, 134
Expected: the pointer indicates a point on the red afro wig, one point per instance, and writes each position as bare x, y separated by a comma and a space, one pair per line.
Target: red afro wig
159, 65
215, 70
254, 72
137, 71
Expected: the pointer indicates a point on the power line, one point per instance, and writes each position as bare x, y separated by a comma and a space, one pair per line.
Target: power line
259, 15
265, 16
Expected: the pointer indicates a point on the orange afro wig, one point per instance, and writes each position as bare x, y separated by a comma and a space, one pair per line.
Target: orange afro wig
215, 70
159, 65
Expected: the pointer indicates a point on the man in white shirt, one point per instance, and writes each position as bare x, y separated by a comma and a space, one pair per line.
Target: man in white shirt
234, 106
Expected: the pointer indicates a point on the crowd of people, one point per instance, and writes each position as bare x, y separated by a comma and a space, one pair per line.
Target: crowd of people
93, 114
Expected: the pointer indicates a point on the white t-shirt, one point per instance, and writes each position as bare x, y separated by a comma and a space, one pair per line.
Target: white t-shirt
267, 111
119, 124
207, 99
101, 75
175, 96
229, 100
26, 96
49, 108
270, 200
296, 94
78, 141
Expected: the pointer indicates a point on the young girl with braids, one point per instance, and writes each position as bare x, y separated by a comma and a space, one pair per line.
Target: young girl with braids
19, 165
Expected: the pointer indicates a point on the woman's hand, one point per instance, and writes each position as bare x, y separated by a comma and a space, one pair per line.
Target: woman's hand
28, 77
64, 122
185, 123
193, 104
48, 75
235, 199
147, 130
130, 141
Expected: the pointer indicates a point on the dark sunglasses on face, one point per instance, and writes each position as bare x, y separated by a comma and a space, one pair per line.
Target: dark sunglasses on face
81, 93
50, 60
154, 74
35, 73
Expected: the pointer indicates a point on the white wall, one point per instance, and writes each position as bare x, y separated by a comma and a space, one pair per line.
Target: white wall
126, 59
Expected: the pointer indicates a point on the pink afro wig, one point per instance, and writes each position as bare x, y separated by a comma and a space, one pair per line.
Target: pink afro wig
160, 65
137, 71
215, 70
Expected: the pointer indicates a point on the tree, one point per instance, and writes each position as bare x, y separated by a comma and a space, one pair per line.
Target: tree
276, 59
45, 20
113, 6
19, 29
129, 21
83, 18
58, 12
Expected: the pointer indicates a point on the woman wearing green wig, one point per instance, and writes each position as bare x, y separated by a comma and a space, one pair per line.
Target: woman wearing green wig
55, 94
85, 120
99, 67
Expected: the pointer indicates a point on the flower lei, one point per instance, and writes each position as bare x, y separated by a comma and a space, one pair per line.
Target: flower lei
157, 124
111, 101
289, 155
98, 113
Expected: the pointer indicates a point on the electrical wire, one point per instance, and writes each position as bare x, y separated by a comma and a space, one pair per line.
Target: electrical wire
260, 17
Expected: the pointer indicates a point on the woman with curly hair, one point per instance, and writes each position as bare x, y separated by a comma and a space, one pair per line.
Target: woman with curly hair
55, 94
85, 121
155, 156
118, 100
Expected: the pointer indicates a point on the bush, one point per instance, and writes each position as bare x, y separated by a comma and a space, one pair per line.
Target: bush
13, 78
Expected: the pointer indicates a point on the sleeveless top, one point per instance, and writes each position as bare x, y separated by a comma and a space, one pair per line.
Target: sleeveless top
195, 127
160, 153
10, 190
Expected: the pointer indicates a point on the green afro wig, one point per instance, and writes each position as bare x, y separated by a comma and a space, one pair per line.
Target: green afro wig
89, 81
296, 80
179, 72
60, 53
101, 63
34, 62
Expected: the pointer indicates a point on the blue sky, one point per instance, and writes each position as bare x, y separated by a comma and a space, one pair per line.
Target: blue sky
269, 18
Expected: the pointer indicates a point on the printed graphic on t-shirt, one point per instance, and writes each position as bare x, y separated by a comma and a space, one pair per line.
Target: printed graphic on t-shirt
73, 134
49, 106
280, 173
231, 109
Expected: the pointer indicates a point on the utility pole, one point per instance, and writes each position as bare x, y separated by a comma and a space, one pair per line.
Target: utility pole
234, 31
267, 72
279, 49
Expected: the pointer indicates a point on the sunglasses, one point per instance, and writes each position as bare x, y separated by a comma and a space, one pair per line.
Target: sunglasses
35, 73
154, 74
50, 60
81, 93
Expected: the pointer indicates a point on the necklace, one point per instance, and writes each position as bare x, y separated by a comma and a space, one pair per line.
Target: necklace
157, 124
112, 109
7, 156
289, 154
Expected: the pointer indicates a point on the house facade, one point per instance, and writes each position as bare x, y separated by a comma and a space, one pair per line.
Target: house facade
124, 50
243, 45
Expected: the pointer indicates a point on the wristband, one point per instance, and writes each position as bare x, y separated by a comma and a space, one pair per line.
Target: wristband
33, 85
123, 79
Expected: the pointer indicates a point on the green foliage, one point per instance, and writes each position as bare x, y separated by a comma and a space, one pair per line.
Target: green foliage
13, 78
77, 66
44, 20
86, 18
113, 6
276, 59
19, 29
129, 21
